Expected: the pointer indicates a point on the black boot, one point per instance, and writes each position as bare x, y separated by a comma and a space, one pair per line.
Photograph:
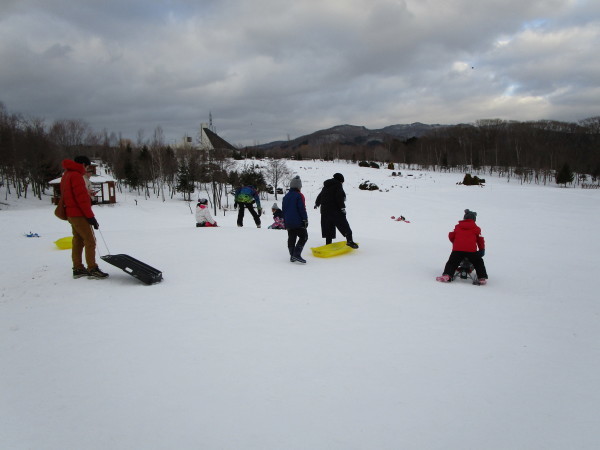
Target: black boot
291, 250
350, 243
296, 256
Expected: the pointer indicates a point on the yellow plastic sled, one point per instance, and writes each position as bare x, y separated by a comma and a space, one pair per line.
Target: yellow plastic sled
65, 243
329, 250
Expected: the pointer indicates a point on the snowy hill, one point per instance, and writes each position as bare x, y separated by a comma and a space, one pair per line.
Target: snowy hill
240, 349
353, 134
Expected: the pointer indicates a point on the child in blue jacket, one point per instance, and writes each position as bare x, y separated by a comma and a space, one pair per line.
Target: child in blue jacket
296, 220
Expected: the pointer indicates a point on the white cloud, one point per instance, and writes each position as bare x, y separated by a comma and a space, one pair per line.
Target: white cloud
271, 68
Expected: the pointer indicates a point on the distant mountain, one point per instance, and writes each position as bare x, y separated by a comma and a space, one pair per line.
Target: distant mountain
355, 135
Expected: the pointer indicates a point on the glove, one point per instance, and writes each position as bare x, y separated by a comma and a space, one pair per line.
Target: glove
344, 211
305, 223
481, 253
93, 222
260, 211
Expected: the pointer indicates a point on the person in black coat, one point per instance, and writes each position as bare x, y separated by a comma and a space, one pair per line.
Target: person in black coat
333, 210
296, 220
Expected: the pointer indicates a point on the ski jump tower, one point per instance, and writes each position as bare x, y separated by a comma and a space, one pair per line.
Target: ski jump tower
204, 142
209, 140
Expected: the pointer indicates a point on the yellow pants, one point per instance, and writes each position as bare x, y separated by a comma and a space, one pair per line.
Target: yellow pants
83, 238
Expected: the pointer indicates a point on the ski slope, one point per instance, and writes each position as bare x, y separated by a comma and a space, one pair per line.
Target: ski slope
238, 348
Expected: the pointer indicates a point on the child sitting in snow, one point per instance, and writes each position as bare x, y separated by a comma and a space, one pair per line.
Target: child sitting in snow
278, 222
203, 216
466, 239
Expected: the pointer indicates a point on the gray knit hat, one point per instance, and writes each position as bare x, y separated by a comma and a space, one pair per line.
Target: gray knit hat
296, 183
470, 215
275, 206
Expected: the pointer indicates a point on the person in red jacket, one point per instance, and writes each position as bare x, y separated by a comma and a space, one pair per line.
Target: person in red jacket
466, 240
78, 206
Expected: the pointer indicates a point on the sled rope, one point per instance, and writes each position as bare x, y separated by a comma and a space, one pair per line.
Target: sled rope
102, 236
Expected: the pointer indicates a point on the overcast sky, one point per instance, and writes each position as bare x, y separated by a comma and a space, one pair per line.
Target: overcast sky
272, 69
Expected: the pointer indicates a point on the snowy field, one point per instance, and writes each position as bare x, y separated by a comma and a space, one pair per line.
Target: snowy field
240, 349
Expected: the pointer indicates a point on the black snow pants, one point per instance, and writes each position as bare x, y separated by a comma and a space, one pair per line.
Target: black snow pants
330, 220
250, 206
455, 259
299, 234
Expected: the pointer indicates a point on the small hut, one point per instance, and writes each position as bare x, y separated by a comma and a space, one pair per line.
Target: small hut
103, 188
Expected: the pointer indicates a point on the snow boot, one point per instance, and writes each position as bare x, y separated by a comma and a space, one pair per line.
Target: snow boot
296, 254
350, 242
78, 273
97, 274
482, 281
443, 279
298, 258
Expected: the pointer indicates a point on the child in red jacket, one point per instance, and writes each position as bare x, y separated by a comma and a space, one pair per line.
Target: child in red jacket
466, 239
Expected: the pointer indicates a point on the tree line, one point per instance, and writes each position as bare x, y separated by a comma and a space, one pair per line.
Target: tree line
530, 151
31, 153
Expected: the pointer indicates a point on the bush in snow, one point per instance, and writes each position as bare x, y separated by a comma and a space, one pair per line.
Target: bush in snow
368, 186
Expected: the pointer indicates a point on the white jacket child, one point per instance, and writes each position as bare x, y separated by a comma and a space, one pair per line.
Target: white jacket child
203, 216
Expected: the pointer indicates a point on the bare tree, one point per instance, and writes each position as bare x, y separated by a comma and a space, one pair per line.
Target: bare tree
69, 134
277, 171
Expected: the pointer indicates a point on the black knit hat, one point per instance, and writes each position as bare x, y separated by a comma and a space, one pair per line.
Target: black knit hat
470, 215
339, 177
82, 159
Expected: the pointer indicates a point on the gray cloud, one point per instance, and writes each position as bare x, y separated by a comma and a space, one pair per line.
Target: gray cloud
269, 69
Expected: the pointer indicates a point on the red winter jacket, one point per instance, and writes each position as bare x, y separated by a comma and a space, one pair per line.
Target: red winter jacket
466, 237
74, 191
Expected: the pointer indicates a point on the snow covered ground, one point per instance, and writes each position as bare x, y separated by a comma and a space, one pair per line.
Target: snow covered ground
240, 349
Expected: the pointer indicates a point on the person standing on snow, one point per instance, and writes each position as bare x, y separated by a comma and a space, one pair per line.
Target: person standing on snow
78, 206
87, 177
245, 198
466, 239
332, 200
203, 216
296, 220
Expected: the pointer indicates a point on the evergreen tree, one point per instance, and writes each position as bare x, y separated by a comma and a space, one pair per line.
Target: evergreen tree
253, 177
565, 175
185, 184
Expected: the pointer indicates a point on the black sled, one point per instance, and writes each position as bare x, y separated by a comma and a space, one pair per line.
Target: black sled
137, 269
466, 271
